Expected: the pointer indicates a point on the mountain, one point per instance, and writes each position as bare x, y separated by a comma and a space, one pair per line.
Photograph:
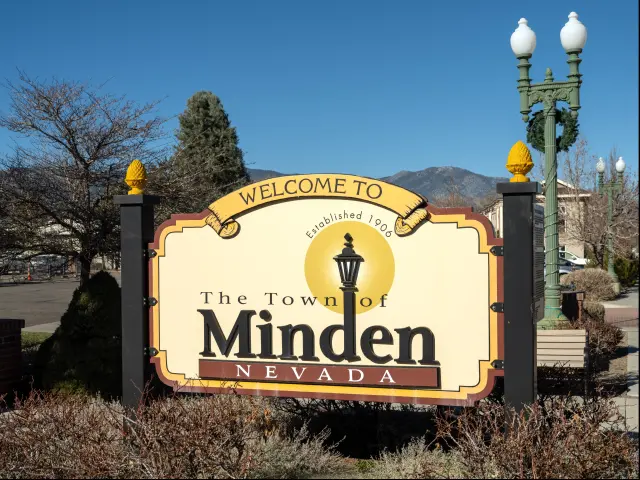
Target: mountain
431, 182
437, 181
257, 175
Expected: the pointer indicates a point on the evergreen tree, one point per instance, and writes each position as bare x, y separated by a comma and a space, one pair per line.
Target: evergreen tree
85, 352
207, 163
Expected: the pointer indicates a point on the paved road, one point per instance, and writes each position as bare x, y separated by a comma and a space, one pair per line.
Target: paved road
38, 303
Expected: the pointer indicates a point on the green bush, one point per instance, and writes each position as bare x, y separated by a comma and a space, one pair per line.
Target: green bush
626, 270
593, 311
597, 283
84, 353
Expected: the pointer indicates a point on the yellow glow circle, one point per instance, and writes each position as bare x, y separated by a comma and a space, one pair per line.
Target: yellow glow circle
376, 272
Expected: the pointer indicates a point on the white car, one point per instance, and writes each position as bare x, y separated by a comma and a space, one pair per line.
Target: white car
570, 257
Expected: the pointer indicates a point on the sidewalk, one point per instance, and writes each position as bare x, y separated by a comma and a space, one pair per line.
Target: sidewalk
43, 328
632, 360
623, 311
628, 407
628, 402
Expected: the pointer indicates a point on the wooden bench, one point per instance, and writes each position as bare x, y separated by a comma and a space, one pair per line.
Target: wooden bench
564, 349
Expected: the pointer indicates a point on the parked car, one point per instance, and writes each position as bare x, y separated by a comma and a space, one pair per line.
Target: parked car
565, 267
570, 257
569, 264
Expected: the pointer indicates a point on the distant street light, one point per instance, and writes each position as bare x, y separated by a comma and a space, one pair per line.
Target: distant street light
573, 37
611, 188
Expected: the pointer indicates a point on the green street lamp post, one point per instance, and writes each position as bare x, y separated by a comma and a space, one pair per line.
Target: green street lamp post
610, 188
573, 37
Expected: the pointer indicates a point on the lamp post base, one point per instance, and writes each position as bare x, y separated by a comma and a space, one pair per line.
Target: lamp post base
552, 317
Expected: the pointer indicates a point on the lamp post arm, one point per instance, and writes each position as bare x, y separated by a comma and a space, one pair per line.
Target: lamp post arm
550, 93
575, 79
524, 85
601, 185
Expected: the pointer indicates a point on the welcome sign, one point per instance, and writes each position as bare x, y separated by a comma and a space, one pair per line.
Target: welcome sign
328, 286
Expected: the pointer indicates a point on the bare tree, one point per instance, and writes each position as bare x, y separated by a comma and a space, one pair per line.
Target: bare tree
481, 203
59, 180
589, 222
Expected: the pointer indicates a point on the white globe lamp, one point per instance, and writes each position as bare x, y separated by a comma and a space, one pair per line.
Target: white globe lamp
573, 35
523, 39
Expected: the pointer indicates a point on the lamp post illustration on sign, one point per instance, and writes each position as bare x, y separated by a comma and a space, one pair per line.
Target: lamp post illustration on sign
349, 265
265, 293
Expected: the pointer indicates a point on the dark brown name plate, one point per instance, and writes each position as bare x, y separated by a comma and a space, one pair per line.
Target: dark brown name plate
399, 377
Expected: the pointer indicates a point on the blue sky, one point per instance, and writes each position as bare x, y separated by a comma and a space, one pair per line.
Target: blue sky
365, 87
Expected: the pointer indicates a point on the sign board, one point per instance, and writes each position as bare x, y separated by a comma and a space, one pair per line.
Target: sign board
328, 286
538, 261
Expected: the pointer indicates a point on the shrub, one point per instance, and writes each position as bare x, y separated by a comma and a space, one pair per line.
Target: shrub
361, 429
85, 353
595, 282
31, 342
225, 436
604, 338
57, 436
593, 311
419, 460
627, 271
561, 438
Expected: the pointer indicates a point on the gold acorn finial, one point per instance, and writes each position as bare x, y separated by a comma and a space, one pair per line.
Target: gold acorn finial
136, 178
519, 162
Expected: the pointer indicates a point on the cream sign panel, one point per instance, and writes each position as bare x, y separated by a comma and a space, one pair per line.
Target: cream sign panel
327, 286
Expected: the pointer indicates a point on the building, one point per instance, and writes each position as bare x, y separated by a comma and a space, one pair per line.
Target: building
570, 212
21, 261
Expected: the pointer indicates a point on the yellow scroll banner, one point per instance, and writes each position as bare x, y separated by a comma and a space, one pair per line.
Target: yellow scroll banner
411, 208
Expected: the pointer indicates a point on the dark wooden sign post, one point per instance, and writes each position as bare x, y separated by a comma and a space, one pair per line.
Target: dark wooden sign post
521, 310
136, 232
